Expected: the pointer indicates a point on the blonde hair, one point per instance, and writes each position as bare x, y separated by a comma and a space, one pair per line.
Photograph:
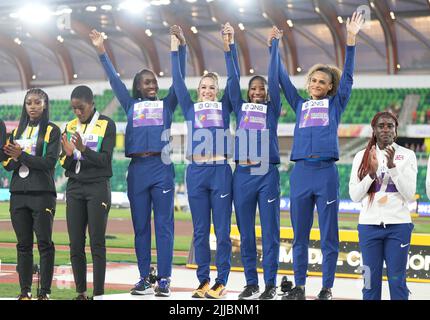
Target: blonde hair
332, 71
210, 75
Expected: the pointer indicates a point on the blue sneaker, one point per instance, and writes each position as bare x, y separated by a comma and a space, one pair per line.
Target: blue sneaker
143, 287
163, 288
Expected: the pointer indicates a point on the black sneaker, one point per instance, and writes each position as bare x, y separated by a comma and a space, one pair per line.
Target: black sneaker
286, 286
269, 293
25, 296
325, 294
251, 292
163, 288
43, 296
143, 287
82, 297
297, 293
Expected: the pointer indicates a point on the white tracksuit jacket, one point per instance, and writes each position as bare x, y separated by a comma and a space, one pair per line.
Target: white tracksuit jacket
396, 188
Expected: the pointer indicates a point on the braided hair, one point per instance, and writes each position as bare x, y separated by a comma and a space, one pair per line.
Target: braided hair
43, 122
364, 167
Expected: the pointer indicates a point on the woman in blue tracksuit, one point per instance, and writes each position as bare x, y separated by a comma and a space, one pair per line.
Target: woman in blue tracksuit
256, 178
315, 179
209, 176
150, 180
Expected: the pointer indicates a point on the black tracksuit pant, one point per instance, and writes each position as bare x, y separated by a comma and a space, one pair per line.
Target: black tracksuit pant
34, 212
88, 204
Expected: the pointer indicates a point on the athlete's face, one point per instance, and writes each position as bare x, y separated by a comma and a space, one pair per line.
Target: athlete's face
257, 91
148, 85
207, 90
82, 109
34, 105
385, 131
319, 85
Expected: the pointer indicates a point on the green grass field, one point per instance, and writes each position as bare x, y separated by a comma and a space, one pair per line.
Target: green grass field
11, 289
60, 213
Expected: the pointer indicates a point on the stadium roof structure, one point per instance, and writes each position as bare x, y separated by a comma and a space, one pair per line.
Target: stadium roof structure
45, 43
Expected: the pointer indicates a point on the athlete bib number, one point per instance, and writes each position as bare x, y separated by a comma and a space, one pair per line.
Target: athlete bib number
90, 141
314, 114
253, 116
208, 114
148, 113
28, 145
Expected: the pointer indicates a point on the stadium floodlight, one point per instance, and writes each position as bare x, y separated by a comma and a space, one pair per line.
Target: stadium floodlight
241, 3
148, 32
106, 7
241, 26
160, 2
63, 10
134, 6
33, 14
91, 8
194, 29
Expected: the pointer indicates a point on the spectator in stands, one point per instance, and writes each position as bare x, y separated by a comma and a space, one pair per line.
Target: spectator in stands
3, 156
414, 116
256, 177
88, 142
32, 153
383, 178
150, 179
208, 176
428, 179
315, 179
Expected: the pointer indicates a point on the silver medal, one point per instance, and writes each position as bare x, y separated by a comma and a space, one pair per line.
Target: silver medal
78, 167
24, 171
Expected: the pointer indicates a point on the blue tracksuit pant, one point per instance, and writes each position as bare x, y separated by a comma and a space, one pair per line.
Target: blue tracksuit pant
389, 244
248, 190
209, 190
315, 183
151, 187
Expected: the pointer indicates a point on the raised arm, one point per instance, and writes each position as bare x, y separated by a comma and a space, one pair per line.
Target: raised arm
290, 91
116, 83
273, 72
171, 98
353, 26
232, 90
178, 79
